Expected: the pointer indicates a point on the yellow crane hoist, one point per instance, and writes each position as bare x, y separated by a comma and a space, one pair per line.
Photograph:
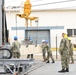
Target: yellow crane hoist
27, 12
27, 8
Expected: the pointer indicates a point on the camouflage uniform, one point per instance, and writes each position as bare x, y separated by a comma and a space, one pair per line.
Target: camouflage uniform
15, 49
30, 42
71, 51
43, 51
63, 50
49, 53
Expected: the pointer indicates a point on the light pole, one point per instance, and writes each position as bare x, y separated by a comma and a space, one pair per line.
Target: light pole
56, 46
36, 21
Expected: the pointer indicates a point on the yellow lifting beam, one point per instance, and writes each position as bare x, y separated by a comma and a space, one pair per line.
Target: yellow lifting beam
27, 8
27, 12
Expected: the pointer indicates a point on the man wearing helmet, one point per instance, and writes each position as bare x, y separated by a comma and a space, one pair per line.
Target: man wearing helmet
15, 48
49, 52
30, 42
43, 50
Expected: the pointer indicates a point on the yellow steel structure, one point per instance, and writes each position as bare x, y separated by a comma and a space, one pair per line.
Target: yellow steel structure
27, 12
27, 8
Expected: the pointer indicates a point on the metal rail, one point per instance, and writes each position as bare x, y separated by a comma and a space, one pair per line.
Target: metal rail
19, 65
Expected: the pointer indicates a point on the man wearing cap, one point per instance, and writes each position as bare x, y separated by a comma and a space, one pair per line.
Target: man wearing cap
71, 51
64, 53
15, 48
49, 52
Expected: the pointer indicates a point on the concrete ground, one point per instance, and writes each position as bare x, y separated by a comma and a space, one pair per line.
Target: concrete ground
42, 68
52, 69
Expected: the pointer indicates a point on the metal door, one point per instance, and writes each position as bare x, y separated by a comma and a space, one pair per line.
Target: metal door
39, 35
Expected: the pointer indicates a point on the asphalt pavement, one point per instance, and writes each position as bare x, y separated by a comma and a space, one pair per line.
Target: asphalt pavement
42, 68
52, 69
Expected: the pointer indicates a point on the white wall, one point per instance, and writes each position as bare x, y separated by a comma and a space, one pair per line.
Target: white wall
47, 18
11, 22
20, 34
53, 18
66, 18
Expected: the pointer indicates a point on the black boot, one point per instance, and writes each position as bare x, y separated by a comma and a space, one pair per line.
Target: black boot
67, 70
48, 61
53, 61
62, 71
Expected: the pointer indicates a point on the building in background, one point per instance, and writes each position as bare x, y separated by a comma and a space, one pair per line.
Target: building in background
53, 21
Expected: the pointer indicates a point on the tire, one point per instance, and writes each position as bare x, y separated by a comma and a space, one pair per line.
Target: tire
7, 50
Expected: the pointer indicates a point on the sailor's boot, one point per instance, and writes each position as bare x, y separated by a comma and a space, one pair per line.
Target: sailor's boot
67, 70
62, 71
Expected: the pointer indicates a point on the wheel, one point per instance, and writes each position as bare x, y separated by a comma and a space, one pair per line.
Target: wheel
5, 53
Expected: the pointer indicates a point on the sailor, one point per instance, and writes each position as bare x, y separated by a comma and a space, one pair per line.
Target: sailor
64, 53
30, 43
15, 48
49, 52
43, 50
71, 51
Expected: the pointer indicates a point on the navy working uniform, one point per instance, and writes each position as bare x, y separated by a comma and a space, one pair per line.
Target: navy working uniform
30, 42
15, 48
71, 51
43, 50
49, 52
63, 50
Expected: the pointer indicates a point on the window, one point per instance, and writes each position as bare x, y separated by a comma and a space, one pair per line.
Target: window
75, 32
71, 32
